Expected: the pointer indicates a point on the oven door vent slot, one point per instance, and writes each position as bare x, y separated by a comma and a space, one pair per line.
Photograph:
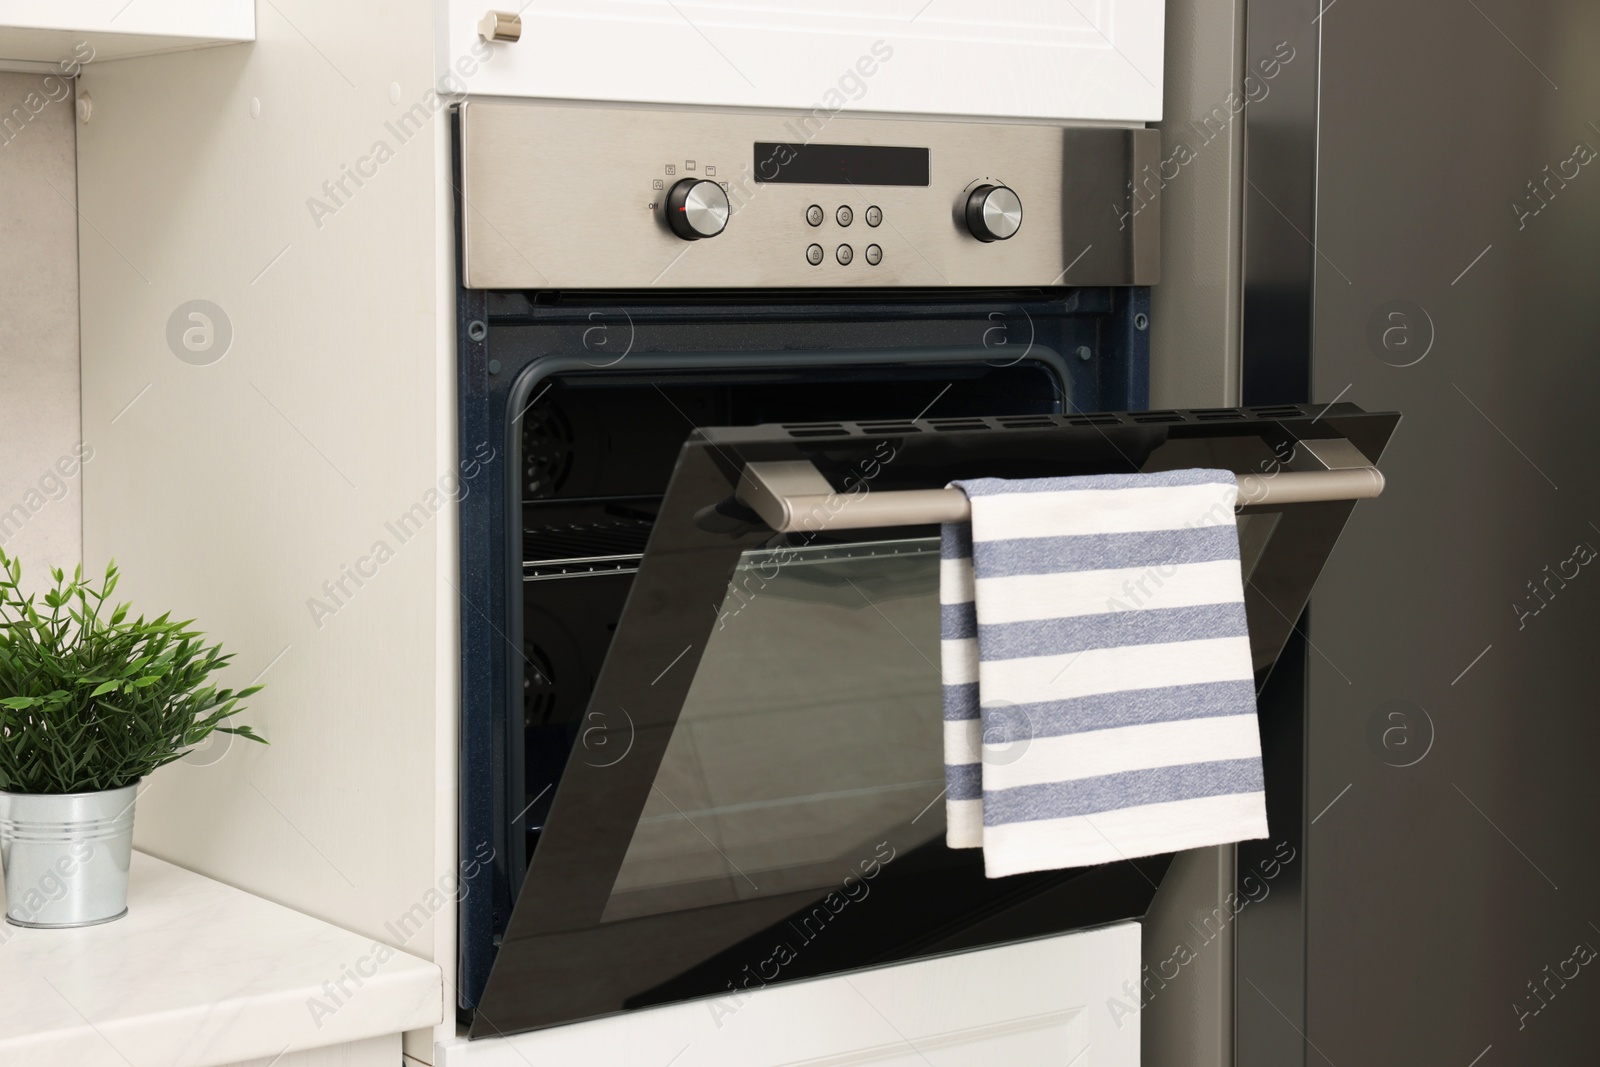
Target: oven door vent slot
958, 424
814, 429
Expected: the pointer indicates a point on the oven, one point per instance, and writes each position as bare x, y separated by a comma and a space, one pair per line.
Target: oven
715, 368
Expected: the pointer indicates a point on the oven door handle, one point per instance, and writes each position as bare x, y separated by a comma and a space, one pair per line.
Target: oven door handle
792, 496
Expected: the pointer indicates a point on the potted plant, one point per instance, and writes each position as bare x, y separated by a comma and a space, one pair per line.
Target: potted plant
91, 701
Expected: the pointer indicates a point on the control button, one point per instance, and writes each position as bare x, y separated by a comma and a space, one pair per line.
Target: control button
844, 215
814, 255
874, 216
814, 214
874, 255
844, 255
697, 208
994, 213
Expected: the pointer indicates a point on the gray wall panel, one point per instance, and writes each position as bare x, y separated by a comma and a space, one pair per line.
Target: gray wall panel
1465, 730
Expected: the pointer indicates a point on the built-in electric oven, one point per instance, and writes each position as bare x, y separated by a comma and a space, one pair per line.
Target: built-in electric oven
701, 741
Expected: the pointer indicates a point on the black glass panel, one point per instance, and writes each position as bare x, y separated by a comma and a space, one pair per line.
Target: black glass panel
595, 452
780, 776
809, 163
756, 798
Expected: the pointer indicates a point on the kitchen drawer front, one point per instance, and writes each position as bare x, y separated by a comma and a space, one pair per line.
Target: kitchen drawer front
1043, 1002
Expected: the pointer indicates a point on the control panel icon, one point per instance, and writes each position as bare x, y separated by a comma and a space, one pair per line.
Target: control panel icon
658, 184
671, 169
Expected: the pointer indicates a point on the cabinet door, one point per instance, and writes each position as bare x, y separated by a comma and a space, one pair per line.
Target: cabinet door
1094, 59
1042, 1003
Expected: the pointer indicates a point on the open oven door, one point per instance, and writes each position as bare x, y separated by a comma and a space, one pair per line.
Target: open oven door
770, 707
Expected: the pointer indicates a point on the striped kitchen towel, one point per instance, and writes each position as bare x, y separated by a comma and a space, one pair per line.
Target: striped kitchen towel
1099, 699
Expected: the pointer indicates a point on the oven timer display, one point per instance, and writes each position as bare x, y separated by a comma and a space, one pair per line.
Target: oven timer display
789, 163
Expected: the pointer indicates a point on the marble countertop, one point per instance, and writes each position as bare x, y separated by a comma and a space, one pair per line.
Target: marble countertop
199, 973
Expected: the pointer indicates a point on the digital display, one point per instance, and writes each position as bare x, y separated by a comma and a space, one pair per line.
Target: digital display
784, 163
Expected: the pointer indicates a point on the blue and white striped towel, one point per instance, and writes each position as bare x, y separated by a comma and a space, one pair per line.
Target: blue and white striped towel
1099, 700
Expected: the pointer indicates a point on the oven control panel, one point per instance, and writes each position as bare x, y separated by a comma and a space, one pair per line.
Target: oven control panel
837, 223
753, 199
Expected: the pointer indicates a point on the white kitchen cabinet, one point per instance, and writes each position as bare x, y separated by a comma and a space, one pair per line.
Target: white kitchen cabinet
205, 175
1090, 59
99, 30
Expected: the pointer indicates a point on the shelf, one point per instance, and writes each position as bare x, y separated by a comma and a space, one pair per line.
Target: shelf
576, 549
69, 32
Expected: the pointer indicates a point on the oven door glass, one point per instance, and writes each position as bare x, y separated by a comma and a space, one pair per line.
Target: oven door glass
756, 795
779, 776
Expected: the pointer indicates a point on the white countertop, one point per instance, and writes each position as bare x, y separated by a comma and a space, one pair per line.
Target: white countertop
198, 974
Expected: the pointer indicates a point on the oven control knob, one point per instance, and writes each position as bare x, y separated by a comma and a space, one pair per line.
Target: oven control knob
994, 213
697, 208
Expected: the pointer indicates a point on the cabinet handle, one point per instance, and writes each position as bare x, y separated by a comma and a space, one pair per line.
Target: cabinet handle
500, 26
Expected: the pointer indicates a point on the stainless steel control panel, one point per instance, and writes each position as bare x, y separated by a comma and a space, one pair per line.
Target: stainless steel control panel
557, 195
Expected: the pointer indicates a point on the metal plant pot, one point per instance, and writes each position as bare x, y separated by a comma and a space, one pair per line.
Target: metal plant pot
65, 856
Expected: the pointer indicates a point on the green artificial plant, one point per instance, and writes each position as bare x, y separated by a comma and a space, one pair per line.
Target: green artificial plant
89, 703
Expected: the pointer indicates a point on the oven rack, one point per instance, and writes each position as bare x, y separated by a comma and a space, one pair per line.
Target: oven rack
576, 550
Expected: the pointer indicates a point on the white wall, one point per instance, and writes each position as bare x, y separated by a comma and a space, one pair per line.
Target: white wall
41, 480
231, 484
